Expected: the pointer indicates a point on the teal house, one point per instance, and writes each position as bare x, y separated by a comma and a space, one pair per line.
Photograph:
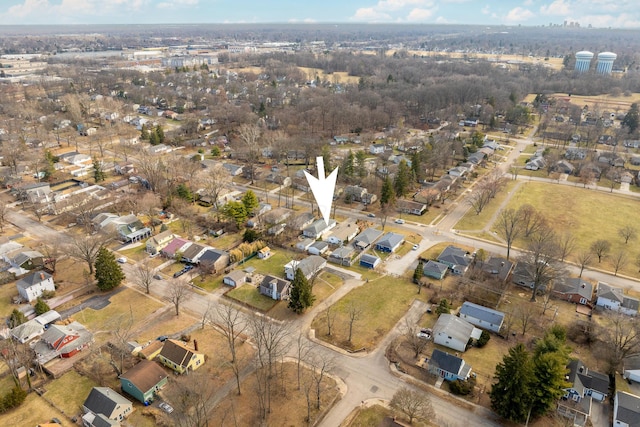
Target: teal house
144, 380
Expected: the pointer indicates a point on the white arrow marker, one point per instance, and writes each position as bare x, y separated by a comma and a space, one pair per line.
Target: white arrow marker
323, 188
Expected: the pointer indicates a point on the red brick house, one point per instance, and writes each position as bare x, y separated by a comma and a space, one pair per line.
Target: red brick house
574, 290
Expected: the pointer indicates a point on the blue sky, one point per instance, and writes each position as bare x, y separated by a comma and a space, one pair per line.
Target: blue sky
598, 13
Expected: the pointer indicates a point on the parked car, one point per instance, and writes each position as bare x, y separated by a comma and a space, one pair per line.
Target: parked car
162, 338
166, 407
371, 215
179, 273
399, 221
157, 277
122, 260
416, 247
425, 334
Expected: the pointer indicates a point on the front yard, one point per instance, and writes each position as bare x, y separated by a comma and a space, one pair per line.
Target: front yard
249, 295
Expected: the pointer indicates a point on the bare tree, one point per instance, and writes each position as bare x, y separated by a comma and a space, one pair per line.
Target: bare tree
330, 317
479, 199
354, 313
153, 170
121, 328
417, 344
86, 248
231, 324
583, 259
179, 292
540, 260
509, 225
3, 215
414, 404
532, 220
214, 182
628, 232
620, 335
193, 398
566, 244
143, 275
619, 260
250, 141
524, 314
149, 205
320, 364
52, 253
600, 248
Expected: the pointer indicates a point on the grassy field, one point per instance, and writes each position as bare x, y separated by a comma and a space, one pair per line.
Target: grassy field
69, 392
35, 410
473, 221
124, 303
249, 294
603, 101
590, 215
273, 265
383, 302
371, 416
137, 253
7, 291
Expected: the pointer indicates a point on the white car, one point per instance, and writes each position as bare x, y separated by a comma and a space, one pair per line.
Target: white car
399, 221
166, 407
122, 260
425, 334
416, 247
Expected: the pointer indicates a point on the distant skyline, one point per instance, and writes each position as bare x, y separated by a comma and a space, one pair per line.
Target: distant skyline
597, 13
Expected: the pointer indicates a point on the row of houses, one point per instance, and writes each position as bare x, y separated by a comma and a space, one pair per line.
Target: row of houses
169, 245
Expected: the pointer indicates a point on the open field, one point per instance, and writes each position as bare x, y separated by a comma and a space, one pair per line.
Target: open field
382, 301
473, 221
611, 102
35, 410
588, 216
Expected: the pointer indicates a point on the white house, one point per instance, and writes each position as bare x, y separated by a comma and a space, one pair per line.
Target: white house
309, 266
612, 298
632, 368
376, 148
32, 286
318, 228
303, 245
452, 332
481, 316
626, 409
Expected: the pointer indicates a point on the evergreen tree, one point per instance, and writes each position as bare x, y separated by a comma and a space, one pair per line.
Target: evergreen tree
215, 151
360, 168
108, 272
632, 119
184, 192
403, 179
153, 138
301, 296
416, 166
348, 165
98, 172
16, 318
41, 306
387, 195
250, 202
418, 272
326, 158
144, 133
160, 134
236, 212
511, 394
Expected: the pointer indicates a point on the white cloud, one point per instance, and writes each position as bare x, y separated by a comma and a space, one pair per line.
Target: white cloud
485, 10
175, 3
396, 11
519, 14
417, 15
66, 11
558, 7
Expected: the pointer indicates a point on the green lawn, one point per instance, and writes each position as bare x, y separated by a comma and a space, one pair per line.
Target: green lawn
137, 253
383, 302
210, 283
588, 214
69, 392
473, 221
249, 295
273, 265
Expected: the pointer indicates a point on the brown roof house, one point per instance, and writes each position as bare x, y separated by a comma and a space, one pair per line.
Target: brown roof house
144, 380
178, 357
574, 290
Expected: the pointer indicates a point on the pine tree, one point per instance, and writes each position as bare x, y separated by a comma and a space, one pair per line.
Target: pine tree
418, 272
98, 172
361, 169
144, 133
326, 158
108, 272
16, 318
511, 394
41, 306
250, 202
632, 119
387, 194
403, 179
236, 212
301, 296
160, 134
348, 166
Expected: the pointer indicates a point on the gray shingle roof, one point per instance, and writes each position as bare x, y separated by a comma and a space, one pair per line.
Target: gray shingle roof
482, 313
628, 409
453, 326
367, 237
390, 240
445, 361
103, 400
33, 279
454, 256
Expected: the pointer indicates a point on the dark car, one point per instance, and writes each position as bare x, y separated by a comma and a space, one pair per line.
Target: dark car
188, 268
162, 338
179, 273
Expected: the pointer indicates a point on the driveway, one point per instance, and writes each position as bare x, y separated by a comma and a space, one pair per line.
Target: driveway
600, 414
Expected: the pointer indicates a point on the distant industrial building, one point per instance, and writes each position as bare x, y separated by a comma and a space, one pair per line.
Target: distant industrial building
583, 61
605, 62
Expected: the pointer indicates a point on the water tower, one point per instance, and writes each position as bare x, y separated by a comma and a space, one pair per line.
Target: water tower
583, 61
605, 62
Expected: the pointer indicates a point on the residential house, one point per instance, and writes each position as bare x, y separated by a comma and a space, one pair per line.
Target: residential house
458, 171
435, 269
304, 244
62, 341
482, 317
178, 357
635, 160
574, 290
376, 148
536, 163
457, 259
144, 381
453, 332
563, 166
366, 238
585, 384
427, 195
281, 180
612, 298
318, 228
309, 266
301, 184
497, 267
158, 149
448, 366
151, 350
214, 259
631, 369
129, 228
275, 288
389, 242
356, 193
303, 221
343, 232
574, 153
235, 278
318, 248
476, 158
32, 286
626, 410
107, 403
22, 261
522, 276
276, 216
342, 255
193, 253
175, 247
158, 242
411, 207
234, 170
27, 331
369, 261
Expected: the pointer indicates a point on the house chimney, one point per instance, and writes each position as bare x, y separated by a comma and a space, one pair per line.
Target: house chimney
41, 275
195, 345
